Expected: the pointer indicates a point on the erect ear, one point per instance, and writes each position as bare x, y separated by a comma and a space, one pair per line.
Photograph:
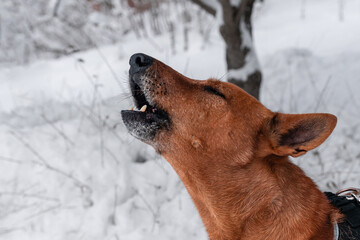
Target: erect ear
295, 134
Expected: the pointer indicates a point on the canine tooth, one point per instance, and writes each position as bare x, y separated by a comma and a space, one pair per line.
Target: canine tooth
143, 108
131, 109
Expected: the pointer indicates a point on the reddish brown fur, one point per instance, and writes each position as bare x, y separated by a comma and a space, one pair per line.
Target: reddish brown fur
227, 153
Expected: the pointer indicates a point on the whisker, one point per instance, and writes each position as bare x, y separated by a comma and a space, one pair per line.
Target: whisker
221, 78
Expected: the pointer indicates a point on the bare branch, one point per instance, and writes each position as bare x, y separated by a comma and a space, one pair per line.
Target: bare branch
25, 195
204, 6
59, 131
43, 162
56, 8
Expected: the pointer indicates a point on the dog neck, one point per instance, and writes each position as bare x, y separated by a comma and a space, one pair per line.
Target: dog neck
269, 197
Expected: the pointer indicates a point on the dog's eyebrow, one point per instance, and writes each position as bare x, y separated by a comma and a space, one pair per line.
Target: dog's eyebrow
214, 91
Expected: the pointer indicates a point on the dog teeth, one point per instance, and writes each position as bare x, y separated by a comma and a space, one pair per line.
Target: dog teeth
143, 108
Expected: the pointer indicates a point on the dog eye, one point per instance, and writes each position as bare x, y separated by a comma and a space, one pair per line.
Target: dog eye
214, 91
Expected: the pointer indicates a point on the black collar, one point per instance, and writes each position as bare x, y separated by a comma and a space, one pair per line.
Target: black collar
349, 229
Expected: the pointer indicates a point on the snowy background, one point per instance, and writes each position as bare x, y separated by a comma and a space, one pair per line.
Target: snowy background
69, 170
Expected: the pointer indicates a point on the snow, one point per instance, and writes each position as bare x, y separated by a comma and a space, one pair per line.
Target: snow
320, 31
219, 14
71, 171
235, 3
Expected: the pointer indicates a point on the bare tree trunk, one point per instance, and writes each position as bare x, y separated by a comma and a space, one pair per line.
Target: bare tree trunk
236, 30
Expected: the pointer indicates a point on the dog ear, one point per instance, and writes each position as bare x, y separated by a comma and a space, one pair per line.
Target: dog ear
295, 134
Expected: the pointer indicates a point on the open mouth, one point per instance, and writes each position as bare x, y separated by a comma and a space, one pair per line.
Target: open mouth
146, 119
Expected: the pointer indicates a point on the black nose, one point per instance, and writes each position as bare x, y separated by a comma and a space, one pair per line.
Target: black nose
139, 62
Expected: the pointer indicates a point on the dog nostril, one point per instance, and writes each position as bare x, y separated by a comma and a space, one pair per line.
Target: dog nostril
140, 61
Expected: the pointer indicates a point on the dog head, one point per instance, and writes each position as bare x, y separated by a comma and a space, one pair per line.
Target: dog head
212, 118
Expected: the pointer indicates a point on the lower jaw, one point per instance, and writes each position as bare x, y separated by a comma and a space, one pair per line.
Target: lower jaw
145, 125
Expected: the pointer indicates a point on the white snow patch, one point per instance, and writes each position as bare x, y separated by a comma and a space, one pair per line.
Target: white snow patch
235, 3
249, 68
246, 36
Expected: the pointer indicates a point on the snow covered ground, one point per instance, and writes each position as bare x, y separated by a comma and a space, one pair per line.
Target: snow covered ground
70, 170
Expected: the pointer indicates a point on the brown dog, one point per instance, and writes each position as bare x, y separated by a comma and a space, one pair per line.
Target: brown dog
232, 154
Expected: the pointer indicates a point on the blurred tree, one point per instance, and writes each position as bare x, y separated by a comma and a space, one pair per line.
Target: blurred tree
140, 6
34, 29
234, 18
